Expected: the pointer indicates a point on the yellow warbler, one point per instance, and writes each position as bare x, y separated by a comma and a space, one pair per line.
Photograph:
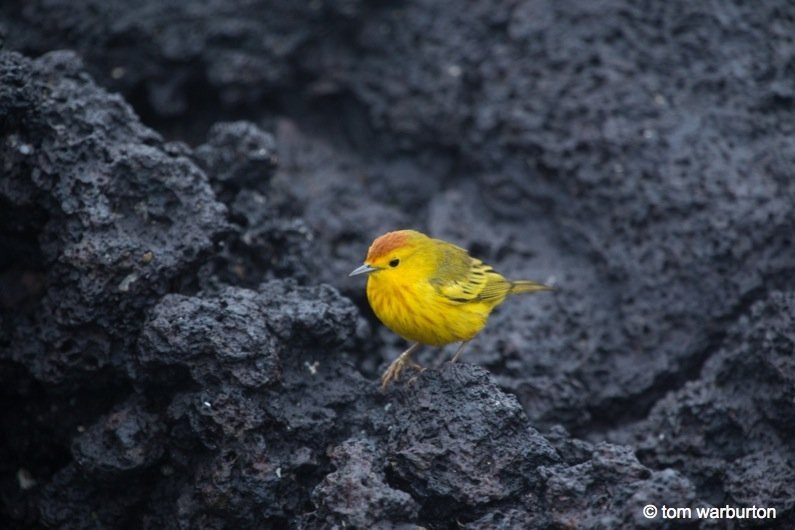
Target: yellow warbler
430, 291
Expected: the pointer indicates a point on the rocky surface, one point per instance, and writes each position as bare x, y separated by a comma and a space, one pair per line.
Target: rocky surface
181, 347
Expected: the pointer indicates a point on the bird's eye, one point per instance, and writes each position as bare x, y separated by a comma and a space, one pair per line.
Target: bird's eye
394, 263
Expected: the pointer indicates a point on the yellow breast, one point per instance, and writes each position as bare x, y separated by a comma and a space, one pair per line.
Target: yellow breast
416, 312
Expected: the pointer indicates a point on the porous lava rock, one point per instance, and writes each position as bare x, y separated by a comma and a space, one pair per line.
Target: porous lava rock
181, 347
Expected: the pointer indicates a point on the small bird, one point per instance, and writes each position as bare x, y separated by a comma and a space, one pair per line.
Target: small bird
432, 292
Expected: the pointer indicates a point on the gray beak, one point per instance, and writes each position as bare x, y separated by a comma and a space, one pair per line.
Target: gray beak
364, 269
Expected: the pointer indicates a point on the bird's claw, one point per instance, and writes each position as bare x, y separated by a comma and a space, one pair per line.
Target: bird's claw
396, 368
414, 377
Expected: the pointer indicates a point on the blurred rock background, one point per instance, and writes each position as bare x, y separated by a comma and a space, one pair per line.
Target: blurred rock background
185, 186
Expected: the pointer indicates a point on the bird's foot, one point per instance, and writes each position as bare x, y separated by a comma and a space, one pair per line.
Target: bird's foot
458, 352
415, 376
396, 368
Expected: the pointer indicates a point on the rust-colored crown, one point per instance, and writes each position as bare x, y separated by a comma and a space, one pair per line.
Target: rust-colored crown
386, 243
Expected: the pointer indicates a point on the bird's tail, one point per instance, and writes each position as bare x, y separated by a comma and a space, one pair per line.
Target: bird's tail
526, 286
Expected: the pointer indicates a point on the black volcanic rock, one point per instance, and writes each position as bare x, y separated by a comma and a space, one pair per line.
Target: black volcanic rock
611, 489
181, 346
125, 441
222, 337
268, 236
238, 155
357, 494
731, 429
72, 501
125, 215
458, 441
234, 52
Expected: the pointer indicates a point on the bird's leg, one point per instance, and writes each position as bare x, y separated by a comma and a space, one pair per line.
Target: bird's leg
399, 364
458, 351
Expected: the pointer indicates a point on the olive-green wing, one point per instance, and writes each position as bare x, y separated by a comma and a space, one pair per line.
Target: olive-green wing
462, 279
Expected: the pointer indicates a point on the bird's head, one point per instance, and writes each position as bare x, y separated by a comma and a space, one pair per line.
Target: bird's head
391, 251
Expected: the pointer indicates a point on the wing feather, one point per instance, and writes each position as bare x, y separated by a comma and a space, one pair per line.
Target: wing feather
463, 279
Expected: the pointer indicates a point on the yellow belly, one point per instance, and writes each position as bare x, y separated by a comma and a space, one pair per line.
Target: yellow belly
419, 314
